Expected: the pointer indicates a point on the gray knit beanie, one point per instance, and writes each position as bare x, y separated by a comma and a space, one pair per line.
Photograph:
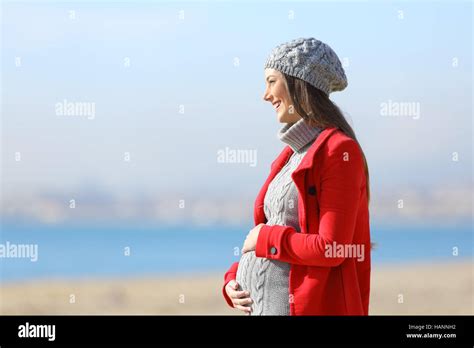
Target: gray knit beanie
310, 60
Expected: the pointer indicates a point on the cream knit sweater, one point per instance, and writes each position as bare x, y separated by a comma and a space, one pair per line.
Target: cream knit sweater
265, 279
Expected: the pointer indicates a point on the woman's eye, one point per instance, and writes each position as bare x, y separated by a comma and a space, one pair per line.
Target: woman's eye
271, 81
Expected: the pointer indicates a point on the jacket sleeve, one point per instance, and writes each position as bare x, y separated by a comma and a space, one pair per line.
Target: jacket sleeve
230, 274
342, 176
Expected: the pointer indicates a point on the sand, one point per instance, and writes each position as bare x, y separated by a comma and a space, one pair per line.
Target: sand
438, 288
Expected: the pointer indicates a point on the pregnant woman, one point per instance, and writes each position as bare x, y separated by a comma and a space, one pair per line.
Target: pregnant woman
309, 252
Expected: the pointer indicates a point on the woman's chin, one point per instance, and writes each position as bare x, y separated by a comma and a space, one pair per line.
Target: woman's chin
282, 118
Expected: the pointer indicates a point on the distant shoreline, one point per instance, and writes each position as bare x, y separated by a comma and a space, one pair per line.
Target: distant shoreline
436, 288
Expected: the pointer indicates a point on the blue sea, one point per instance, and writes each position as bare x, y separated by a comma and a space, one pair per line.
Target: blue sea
99, 250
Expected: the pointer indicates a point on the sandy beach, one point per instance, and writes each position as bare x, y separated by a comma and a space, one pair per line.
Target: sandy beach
437, 288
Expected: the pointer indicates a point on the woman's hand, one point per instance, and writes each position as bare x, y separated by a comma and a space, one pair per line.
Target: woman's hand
251, 240
240, 299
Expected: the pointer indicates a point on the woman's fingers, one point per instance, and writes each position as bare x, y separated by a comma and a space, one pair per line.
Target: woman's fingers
234, 285
243, 309
238, 294
233, 292
240, 298
242, 301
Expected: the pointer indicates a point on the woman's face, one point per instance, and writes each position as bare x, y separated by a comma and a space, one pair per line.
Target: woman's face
276, 92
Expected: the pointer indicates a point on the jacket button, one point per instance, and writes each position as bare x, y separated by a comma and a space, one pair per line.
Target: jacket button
312, 190
273, 250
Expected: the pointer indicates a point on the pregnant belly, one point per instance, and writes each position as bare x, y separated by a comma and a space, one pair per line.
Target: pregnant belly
266, 280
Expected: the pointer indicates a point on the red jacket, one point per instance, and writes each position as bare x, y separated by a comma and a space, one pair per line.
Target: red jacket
333, 211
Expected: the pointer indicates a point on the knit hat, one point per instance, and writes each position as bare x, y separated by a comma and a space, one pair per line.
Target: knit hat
310, 60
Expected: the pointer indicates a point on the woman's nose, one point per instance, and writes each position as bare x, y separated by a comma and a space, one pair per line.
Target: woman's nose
266, 97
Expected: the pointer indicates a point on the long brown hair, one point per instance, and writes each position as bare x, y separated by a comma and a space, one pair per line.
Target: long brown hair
319, 111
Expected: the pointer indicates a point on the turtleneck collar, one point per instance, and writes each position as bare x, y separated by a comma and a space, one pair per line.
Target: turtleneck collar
298, 134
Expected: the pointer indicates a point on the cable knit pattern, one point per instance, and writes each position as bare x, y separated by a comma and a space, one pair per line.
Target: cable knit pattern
265, 279
310, 60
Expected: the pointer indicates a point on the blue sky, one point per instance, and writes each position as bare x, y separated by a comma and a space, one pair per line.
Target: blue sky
191, 62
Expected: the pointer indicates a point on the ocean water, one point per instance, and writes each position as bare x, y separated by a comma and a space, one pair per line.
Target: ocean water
85, 251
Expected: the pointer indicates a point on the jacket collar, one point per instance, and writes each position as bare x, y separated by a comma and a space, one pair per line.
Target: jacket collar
298, 134
308, 159
279, 162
